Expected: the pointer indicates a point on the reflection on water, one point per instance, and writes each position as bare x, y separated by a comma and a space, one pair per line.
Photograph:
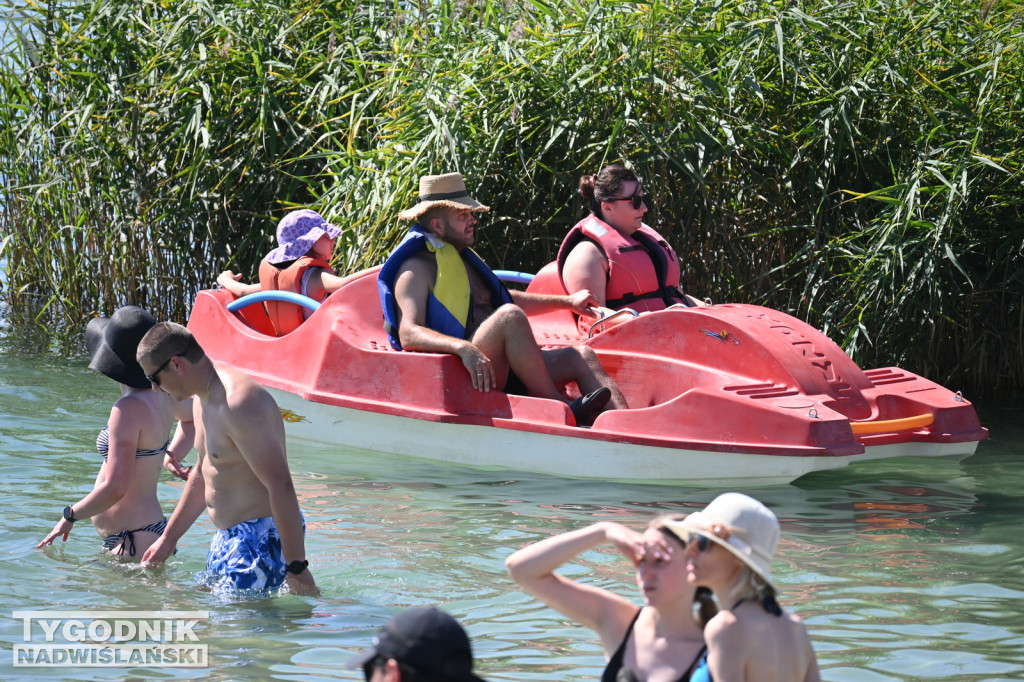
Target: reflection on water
904, 570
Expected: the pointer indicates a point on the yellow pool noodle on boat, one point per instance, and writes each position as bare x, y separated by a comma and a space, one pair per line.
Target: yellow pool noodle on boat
886, 426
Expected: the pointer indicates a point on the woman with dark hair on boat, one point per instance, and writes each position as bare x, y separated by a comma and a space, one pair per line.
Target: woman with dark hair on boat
729, 550
661, 641
614, 255
135, 444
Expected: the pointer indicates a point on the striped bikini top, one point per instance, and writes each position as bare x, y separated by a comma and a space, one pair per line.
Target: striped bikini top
103, 446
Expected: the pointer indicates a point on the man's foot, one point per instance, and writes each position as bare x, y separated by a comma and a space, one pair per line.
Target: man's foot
586, 408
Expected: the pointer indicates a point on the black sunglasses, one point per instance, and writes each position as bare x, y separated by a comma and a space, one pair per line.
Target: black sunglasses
637, 199
703, 542
152, 377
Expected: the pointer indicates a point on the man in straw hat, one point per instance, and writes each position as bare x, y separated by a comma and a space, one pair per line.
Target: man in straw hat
729, 548
241, 476
438, 296
421, 644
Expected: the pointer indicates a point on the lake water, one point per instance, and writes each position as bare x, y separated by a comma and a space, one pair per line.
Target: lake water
902, 570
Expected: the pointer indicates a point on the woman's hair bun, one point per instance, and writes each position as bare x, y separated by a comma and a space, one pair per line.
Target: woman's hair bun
587, 186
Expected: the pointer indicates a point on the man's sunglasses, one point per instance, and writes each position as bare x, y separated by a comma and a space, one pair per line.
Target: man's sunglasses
637, 199
152, 378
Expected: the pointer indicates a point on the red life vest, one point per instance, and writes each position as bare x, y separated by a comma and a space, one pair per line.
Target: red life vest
643, 271
286, 317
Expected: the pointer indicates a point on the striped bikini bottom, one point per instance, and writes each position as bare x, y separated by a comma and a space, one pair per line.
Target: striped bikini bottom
126, 538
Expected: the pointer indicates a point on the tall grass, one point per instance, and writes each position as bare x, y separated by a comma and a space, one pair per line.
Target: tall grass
856, 163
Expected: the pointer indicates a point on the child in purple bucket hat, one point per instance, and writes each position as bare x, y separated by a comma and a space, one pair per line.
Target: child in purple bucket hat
300, 263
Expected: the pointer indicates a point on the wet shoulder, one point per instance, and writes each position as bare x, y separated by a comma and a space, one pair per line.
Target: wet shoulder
144, 405
244, 398
146, 416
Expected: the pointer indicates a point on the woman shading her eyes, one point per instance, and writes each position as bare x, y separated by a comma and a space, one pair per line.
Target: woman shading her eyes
661, 641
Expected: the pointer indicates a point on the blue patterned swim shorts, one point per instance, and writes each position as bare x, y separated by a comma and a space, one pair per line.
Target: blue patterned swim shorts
248, 556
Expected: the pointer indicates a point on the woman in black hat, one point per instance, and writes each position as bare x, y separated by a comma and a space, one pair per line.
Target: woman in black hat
123, 504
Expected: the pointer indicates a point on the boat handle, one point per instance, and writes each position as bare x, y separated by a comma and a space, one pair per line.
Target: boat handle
617, 313
273, 295
887, 425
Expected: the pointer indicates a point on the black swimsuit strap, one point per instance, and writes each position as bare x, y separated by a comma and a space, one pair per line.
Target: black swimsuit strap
615, 671
611, 671
693, 665
768, 603
129, 537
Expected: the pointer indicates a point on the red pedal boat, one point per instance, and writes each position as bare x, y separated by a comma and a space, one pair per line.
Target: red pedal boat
722, 395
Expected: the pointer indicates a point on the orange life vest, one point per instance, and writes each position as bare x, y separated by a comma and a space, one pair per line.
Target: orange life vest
286, 317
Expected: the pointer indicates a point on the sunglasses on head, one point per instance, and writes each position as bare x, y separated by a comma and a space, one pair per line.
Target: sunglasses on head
152, 378
637, 199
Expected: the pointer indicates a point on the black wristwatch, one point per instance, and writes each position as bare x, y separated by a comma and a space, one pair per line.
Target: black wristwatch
68, 515
297, 566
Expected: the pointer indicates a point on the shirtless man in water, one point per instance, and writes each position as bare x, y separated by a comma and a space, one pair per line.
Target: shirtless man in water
492, 336
241, 476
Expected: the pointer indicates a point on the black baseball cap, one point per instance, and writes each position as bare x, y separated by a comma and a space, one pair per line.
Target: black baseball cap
427, 640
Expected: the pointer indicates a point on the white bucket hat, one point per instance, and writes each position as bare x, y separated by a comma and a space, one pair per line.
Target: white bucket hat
442, 190
739, 523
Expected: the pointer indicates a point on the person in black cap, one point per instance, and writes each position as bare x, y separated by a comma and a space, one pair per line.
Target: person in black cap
419, 645
134, 444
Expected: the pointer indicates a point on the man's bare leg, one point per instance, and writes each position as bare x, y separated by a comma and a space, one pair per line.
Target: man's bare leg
507, 339
581, 364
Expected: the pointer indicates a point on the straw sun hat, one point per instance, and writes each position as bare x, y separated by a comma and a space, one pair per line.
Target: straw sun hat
442, 190
740, 524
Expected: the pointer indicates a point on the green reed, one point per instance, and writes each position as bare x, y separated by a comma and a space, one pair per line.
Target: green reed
856, 163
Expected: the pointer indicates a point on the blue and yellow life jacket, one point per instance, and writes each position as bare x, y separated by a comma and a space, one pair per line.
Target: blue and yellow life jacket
449, 302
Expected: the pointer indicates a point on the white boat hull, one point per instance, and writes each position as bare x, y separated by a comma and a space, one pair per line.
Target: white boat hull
498, 448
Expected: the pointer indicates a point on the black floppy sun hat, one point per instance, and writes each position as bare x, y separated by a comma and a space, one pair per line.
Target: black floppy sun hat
112, 342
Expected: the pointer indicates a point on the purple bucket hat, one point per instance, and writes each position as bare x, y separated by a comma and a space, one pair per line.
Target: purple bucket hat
297, 232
